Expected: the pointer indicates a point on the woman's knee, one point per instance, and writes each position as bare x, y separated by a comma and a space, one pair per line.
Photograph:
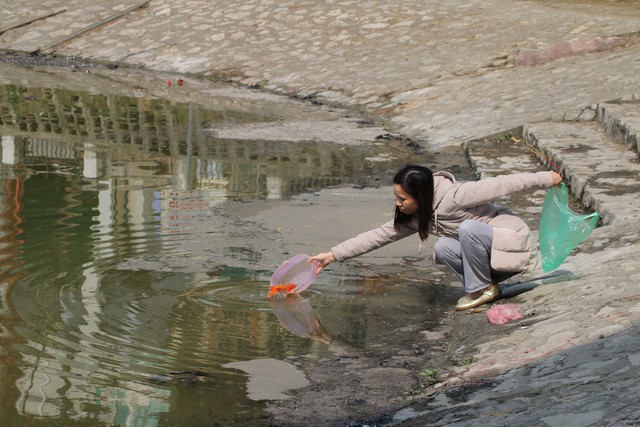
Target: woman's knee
445, 247
471, 229
467, 228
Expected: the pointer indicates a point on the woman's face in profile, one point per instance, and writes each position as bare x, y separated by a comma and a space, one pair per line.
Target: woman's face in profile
404, 201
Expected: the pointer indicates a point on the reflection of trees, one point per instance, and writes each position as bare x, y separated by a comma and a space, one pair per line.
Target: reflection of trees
91, 333
10, 274
53, 292
10, 220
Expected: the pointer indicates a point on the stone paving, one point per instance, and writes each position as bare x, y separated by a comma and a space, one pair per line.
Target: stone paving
446, 74
571, 360
427, 66
591, 385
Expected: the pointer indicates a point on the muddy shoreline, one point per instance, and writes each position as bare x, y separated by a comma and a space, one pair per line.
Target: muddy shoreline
357, 389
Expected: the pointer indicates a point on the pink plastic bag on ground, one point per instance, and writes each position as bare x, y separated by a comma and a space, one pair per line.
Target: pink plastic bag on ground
502, 313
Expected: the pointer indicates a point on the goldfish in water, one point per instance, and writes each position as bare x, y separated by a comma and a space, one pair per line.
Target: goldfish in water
287, 289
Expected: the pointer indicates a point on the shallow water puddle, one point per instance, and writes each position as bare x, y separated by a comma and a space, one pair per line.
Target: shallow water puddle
270, 378
127, 296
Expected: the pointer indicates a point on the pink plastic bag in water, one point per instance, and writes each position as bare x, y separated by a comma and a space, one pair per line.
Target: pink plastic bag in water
502, 313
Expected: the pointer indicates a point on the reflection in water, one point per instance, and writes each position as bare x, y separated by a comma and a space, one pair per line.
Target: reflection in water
270, 379
296, 315
89, 180
171, 145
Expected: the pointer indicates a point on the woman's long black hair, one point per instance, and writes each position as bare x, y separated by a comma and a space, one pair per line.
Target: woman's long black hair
417, 181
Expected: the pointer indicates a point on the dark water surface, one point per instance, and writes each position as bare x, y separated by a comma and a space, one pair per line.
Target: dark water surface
91, 180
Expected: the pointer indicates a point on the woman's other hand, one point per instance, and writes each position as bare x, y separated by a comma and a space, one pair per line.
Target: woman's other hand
323, 259
556, 178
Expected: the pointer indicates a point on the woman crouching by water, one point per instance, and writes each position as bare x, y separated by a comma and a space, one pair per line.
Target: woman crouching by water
482, 242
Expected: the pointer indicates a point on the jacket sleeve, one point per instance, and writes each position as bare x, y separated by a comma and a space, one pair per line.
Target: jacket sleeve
370, 240
477, 192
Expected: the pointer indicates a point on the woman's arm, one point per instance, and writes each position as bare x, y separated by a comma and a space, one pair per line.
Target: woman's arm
363, 243
476, 192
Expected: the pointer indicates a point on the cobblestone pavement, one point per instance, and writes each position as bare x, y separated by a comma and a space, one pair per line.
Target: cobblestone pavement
444, 73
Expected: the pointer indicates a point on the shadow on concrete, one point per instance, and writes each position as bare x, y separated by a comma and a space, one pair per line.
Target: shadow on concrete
510, 290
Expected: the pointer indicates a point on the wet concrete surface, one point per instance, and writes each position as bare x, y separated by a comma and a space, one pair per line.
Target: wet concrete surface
455, 80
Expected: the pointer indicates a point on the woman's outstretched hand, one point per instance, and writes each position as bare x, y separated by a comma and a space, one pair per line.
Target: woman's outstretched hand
323, 259
556, 178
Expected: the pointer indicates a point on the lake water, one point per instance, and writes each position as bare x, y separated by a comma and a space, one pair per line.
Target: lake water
108, 315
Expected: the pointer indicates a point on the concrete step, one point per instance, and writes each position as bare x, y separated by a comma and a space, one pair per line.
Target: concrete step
595, 149
621, 121
602, 173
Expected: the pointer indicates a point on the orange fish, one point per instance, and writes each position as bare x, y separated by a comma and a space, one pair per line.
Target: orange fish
287, 289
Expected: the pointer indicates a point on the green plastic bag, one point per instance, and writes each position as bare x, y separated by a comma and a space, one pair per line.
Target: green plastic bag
561, 230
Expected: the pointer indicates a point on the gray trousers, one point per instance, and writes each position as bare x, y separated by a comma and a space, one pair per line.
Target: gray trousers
470, 256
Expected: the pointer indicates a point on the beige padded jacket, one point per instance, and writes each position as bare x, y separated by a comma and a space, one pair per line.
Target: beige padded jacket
514, 248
